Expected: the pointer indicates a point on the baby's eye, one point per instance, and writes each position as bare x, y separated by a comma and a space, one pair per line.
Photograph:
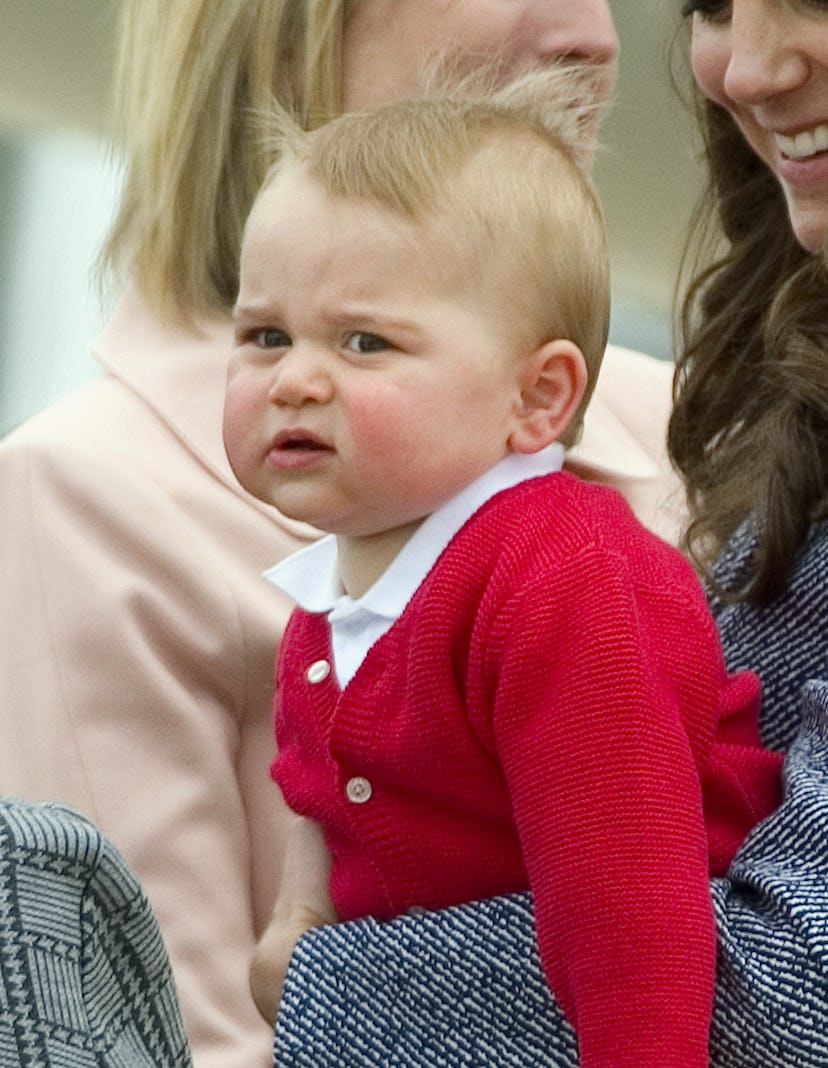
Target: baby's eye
362, 342
271, 338
707, 9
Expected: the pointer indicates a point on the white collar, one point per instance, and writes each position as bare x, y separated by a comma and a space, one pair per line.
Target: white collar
311, 575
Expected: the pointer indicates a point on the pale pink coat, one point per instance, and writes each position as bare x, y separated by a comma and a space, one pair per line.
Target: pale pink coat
137, 635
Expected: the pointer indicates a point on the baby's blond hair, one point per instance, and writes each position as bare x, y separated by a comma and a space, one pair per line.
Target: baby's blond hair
485, 181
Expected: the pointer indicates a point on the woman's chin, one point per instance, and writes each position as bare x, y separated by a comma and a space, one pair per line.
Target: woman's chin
810, 226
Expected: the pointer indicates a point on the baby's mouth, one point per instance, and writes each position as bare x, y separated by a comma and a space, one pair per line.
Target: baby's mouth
297, 442
301, 445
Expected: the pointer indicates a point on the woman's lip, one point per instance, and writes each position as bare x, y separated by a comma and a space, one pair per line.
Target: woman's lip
800, 173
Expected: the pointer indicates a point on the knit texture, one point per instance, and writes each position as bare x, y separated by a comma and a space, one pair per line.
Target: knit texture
785, 643
86, 982
462, 987
544, 718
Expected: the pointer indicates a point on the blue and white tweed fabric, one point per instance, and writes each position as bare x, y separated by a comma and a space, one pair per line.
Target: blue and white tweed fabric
459, 988
463, 988
772, 918
785, 643
85, 981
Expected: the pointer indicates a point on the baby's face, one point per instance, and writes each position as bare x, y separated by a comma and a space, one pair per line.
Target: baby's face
368, 383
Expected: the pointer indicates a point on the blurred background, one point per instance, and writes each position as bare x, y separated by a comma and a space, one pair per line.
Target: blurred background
58, 183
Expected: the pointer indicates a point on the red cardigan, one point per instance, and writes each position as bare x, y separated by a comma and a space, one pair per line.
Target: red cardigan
542, 715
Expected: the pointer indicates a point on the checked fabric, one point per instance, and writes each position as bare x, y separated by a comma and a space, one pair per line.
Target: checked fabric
85, 981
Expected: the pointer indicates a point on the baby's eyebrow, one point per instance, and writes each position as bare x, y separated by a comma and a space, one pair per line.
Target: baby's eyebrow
256, 311
374, 320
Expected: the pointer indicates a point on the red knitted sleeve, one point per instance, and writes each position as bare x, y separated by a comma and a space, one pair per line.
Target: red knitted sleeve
606, 796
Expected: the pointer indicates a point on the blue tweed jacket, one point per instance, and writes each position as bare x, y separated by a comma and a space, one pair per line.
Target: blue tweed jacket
85, 981
463, 987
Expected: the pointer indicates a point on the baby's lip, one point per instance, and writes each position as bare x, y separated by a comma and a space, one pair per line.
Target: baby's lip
299, 439
297, 449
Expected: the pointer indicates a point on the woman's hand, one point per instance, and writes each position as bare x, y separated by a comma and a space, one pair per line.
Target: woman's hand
303, 902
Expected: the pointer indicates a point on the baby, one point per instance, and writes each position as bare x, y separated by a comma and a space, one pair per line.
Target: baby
495, 678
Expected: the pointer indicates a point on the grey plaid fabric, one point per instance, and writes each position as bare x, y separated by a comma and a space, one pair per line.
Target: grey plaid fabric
86, 982
462, 988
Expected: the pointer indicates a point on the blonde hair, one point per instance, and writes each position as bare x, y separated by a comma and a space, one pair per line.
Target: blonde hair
491, 181
194, 78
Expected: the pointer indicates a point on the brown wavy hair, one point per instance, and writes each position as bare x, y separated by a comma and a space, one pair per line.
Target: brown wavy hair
749, 429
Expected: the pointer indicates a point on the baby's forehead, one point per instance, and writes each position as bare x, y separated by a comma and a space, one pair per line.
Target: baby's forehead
458, 226
295, 184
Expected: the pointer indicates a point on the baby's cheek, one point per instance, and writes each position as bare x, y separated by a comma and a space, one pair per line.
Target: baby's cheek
382, 421
242, 419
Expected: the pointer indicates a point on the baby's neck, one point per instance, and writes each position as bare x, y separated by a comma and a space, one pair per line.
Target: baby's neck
363, 559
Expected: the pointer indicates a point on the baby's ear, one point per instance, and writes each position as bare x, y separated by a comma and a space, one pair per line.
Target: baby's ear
552, 383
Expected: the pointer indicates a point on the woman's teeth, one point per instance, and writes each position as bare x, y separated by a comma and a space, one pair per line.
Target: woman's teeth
805, 144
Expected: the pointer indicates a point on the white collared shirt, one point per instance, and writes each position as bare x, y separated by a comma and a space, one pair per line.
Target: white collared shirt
311, 576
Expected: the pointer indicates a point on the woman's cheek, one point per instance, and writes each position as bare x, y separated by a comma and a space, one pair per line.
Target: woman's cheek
708, 60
